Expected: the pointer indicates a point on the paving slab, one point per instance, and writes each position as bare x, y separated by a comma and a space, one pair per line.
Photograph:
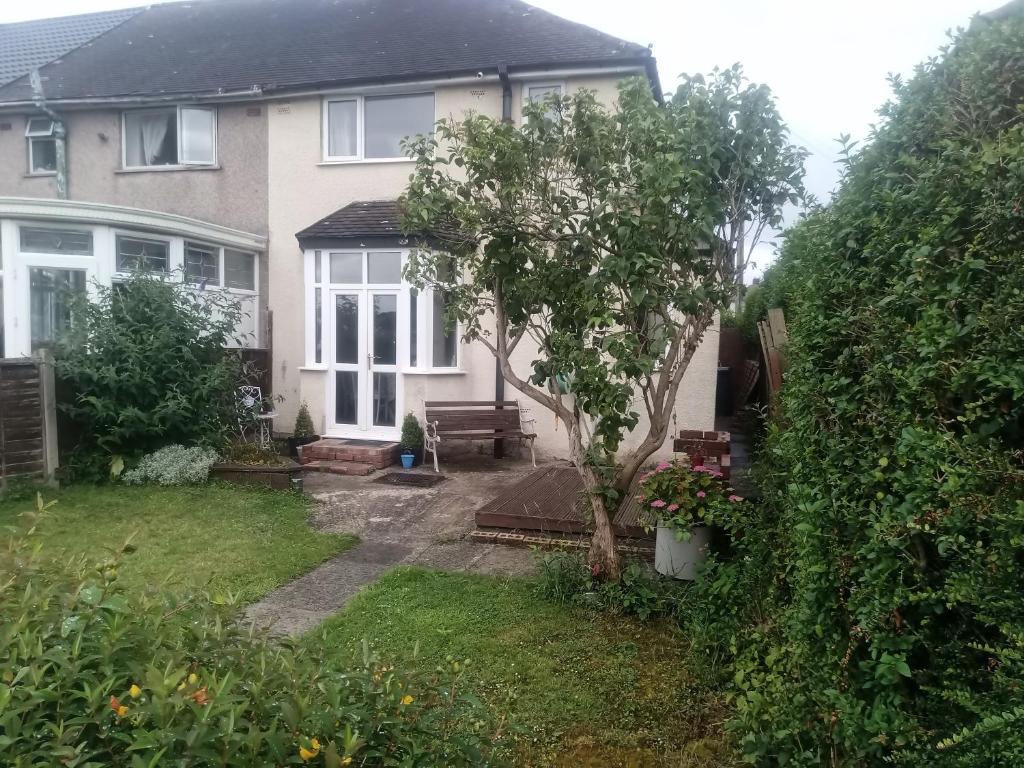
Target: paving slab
396, 525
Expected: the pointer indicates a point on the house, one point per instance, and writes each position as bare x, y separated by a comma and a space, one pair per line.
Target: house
253, 146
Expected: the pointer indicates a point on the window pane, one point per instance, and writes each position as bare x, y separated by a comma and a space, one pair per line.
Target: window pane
197, 139
202, 264
346, 267
49, 291
151, 138
385, 327
67, 241
389, 119
39, 126
385, 267
2, 355
44, 155
136, 254
318, 327
316, 267
346, 329
541, 92
346, 391
341, 128
413, 327
384, 399
445, 345
239, 270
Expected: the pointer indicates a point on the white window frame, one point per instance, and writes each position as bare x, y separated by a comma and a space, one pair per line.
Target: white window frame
31, 136
173, 262
180, 149
360, 100
527, 85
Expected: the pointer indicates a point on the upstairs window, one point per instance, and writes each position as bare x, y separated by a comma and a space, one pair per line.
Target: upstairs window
42, 146
171, 136
372, 127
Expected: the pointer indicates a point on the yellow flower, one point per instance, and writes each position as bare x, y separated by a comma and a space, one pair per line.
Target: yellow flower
407, 700
192, 678
313, 751
122, 711
346, 760
134, 691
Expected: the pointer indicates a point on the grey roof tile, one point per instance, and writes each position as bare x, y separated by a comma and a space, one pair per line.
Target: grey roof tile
26, 45
220, 46
361, 219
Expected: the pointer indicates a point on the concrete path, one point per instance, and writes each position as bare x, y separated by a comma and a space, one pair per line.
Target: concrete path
396, 526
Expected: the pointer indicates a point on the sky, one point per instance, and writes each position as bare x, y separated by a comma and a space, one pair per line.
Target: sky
827, 61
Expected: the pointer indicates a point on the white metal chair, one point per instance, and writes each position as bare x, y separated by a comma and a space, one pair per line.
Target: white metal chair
251, 412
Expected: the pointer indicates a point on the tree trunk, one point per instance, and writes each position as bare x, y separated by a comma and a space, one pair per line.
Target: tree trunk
603, 557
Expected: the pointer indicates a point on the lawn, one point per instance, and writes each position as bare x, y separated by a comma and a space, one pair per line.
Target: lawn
578, 688
216, 537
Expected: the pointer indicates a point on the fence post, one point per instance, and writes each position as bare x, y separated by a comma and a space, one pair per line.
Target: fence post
48, 408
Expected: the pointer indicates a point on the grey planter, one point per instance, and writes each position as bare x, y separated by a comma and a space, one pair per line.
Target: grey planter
679, 559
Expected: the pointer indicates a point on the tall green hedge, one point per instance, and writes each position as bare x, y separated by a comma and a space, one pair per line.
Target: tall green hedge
892, 629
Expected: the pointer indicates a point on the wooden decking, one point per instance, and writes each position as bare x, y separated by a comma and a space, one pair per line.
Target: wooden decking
551, 500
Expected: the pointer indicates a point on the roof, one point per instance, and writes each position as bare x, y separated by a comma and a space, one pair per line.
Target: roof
26, 45
361, 220
214, 47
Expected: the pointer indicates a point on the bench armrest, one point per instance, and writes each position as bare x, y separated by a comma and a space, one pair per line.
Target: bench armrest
430, 429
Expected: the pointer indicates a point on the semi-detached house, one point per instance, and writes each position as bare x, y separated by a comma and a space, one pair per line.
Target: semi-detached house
253, 146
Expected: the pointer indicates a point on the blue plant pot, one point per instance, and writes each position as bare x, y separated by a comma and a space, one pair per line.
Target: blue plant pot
407, 460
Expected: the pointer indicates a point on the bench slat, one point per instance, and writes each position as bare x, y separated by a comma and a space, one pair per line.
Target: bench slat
484, 435
469, 403
472, 415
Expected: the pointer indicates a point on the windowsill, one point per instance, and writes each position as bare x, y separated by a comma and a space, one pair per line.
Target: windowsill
368, 161
41, 175
166, 168
435, 371
313, 368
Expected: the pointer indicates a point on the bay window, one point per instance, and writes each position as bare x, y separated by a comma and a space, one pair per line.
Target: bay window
372, 127
169, 136
137, 254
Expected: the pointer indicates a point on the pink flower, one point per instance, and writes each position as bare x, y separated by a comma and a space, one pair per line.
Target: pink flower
673, 507
657, 503
699, 468
734, 497
716, 474
701, 494
662, 466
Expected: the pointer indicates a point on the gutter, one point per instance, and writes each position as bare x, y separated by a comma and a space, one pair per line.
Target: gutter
60, 134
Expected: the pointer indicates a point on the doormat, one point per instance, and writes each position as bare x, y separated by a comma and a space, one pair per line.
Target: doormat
413, 479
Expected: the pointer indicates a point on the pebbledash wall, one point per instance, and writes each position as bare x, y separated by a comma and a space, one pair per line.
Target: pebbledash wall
302, 189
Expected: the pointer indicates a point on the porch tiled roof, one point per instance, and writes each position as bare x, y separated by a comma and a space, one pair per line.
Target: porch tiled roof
362, 219
266, 46
25, 45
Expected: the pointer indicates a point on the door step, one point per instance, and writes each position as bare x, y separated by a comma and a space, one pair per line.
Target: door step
331, 450
339, 467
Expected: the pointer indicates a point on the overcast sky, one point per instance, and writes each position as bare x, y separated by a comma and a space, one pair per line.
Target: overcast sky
826, 60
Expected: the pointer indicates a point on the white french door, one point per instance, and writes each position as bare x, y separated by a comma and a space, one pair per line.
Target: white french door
364, 387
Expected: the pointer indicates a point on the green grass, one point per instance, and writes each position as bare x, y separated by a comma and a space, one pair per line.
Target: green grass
216, 537
578, 688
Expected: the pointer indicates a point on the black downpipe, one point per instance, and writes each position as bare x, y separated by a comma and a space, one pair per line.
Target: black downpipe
499, 379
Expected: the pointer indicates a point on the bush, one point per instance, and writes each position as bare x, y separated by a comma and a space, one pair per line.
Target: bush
303, 422
412, 433
144, 365
886, 569
173, 465
94, 675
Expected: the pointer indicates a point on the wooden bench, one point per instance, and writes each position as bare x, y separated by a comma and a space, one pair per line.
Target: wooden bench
475, 420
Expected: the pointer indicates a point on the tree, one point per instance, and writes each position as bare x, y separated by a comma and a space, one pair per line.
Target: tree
608, 240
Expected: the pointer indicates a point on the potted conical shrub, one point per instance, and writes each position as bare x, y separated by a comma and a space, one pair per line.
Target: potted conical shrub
411, 441
684, 502
303, 433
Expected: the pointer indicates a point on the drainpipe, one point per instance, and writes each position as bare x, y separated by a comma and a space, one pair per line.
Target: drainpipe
59, 134
506, 117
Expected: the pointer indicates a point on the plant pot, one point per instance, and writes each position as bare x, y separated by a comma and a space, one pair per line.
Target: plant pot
294, 443
679, 559
408, 459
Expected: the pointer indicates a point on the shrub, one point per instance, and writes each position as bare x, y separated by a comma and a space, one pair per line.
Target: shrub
173, 465
678, 496
888, 561
253, 454
144, 365
94, 675
303, 422
412, 433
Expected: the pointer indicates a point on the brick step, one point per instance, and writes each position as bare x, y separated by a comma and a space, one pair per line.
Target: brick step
377, 455
339, 467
